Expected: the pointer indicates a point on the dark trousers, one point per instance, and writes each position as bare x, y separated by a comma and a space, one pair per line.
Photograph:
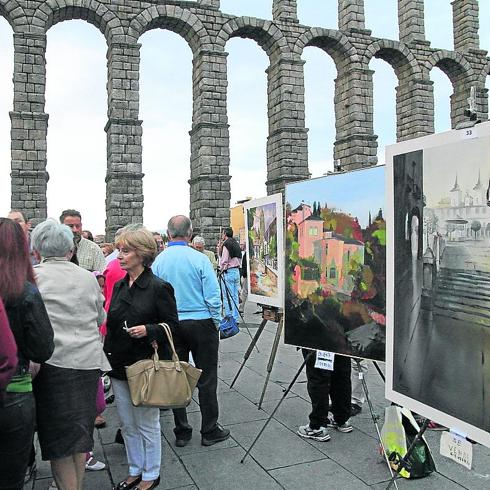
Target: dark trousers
322, 383
17, 419
200, 337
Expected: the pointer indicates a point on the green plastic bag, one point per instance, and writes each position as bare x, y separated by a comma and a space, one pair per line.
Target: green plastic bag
397, 434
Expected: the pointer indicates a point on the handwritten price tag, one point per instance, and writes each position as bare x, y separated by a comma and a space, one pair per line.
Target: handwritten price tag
457, 448
324, 360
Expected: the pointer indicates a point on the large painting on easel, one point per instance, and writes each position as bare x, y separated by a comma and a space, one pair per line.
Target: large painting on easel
438, 311
336, 262
265, 250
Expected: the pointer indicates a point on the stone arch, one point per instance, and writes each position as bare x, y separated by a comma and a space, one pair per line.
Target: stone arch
333, 42
51, 12
454, 65
482, 78
265, 33
13, 13
175, 19
397, 55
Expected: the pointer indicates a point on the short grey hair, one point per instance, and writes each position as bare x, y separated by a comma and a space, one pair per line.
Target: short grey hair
198, 239
179, 226
52, 239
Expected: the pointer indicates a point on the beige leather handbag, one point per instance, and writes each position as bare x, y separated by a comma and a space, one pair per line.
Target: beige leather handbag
164, 384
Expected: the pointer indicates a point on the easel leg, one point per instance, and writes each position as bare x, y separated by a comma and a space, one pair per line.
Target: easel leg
375, 418
232, 300
404, 460
376, 365
288, 389
249, 350
272, 358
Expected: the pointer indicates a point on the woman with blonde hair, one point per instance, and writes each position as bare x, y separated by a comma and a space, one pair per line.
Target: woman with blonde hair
140, 301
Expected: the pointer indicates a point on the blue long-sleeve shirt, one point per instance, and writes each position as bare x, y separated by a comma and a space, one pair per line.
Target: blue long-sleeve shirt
193, 279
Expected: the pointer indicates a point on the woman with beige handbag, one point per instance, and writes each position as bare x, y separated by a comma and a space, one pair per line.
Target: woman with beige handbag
139, 303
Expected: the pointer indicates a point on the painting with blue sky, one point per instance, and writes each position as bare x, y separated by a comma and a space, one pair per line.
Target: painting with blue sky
265, 245
335, 298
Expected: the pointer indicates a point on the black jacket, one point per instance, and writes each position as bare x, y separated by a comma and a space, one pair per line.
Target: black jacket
233, 248
148, 302
31, 327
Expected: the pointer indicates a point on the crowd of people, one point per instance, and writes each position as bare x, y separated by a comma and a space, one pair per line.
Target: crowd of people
72, 310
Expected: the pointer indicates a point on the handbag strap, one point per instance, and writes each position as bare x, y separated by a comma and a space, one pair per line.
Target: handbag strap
170, 338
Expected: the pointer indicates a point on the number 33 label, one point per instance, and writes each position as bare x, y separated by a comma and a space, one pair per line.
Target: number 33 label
469, 133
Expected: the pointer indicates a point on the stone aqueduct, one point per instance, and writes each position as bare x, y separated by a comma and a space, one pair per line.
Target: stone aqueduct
207, 30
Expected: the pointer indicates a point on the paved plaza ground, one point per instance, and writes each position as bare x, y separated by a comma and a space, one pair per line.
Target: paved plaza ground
280, 459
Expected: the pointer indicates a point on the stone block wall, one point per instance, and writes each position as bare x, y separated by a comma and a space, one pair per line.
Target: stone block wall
207, 29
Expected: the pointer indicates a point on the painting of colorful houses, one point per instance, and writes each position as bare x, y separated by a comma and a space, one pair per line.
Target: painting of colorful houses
336, 263
265, 250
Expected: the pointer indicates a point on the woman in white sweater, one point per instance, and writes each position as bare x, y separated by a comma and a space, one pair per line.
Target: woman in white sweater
66, 386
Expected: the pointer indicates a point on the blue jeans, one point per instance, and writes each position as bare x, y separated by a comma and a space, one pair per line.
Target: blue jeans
231, 280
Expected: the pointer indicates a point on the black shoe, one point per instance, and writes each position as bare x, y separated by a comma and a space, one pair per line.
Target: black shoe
182, 441
217, 435
124, 485
119, 439
153, 485
355, 409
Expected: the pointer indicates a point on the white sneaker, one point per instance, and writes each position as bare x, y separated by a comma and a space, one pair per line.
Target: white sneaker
320, 434
93, 465
345, 427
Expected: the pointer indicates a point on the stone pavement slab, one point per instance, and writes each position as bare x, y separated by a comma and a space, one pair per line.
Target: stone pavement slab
277, 447
435, 481
222, 470
194, 445
317, 475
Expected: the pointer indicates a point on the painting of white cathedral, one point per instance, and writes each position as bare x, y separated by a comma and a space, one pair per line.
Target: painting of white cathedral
463, 214
438, 279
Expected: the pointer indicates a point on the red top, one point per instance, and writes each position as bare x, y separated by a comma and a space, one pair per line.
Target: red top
112, 274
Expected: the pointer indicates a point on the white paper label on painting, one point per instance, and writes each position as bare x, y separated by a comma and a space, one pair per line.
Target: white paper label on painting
457, 448
469, 133
324, 360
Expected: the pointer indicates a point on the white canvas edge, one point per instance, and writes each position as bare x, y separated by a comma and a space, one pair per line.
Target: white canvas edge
423, 143
277, 301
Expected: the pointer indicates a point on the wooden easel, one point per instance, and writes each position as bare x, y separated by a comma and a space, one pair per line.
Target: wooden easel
273, 314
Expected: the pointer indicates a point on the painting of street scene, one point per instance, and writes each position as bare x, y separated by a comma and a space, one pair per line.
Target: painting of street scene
336, 264
265, 250
441, 286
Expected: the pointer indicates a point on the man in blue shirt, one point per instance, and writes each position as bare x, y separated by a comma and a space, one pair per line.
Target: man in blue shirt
199, 307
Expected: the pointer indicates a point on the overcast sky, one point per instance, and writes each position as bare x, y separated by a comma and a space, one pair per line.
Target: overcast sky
77, 106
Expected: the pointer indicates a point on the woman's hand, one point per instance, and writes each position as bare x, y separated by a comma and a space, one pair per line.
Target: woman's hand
137, 332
